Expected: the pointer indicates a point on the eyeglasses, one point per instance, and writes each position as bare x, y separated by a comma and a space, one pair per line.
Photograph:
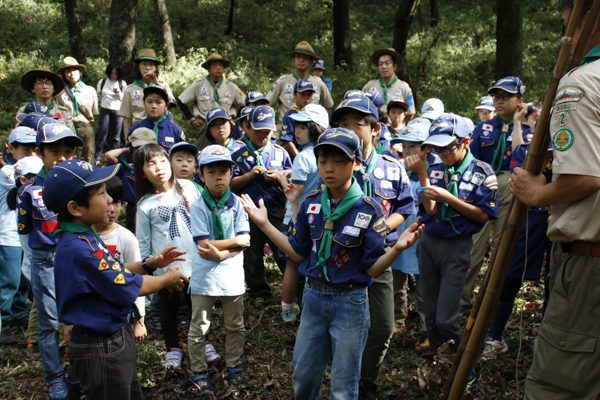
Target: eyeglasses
444, 151
504, 97
44, 82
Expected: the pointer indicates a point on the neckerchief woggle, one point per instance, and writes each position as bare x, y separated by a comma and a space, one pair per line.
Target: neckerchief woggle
367, 187
385, 86
447, 210
501, 148
218, 228
75, 89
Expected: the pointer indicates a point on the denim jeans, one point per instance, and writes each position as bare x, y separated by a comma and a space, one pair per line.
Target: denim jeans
334, 320
115, 121
14, 287
42, 280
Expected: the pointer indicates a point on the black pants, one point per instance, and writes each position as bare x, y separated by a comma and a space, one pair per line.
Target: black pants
169, 312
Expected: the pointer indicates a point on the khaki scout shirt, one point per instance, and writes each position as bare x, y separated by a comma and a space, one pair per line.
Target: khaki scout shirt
282, 92
132, 105
399, 88
87, 101
61, 113
202, 94
575, 132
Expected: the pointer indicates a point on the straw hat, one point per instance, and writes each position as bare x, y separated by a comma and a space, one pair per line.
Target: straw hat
69, 62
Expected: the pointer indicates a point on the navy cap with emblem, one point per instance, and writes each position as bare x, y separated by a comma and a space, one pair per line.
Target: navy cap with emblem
376, 98
359, 103
255, 96
486, 103
447, 128
37, 107
51, 133
245, 112
162, 92
510, 84
34, 120
344, 139
262, 117
304, 85
216, 113
65, 180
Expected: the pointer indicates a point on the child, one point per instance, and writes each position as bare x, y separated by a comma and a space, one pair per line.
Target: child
183, 160
303, 94
310, 123
396, 112
94, 292
238, 130
54, 143
123, 245
167, 132
339, 243
163, 220
317, 71
254, 98
534, 110
459, 197
219, 128
432, 109
221, 231
258, 164
382, 146
485, 109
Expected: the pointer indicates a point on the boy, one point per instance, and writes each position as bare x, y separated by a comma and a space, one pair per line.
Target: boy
491, 143
94, 292
339, 242
317, 70
239, 131
258, 164
221, 231
303, 94
459, 197
54, 143
396, 113
384, 179
183, 160
432, 109
485, 109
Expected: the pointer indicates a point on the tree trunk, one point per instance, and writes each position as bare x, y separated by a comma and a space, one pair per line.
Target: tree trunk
342, 47
166, 31
435, 12
75, 32
230, 22
404, 17
122, 45
509, 38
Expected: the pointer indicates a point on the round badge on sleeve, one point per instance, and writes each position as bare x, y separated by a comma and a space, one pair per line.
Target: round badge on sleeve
563, 139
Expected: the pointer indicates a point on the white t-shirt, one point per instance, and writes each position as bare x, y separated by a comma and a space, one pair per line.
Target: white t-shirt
9, 235
108, 98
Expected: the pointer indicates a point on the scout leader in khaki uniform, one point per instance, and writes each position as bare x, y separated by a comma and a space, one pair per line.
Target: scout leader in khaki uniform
145, 72
282, 91
388, 85
566, 359
82, 102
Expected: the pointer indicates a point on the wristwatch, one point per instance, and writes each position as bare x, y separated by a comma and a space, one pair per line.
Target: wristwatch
149, 270
192, 119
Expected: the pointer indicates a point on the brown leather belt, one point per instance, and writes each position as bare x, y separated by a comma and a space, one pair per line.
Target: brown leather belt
583, 248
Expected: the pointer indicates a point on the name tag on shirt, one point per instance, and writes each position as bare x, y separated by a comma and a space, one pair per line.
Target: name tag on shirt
279, 156
170, 139
466, 186
275, 163
387, 185
351, 230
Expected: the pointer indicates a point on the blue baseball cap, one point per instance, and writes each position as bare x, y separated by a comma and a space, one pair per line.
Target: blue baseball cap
362, 104
320, 64
432, 109
304, 85
34, 120
183, 145
67, 179
51, 133
37, 107
245, 112
510, 84
313, 112
27, 165
22, 134
354, 93
375, 97
216, 113
262, 117
215, 153
486, 103
255, 96
447, 128
344, 139
158, 90
417, 132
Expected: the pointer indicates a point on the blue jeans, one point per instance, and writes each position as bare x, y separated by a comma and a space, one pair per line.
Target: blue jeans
42, 280
335, 319
13, 285
115, 121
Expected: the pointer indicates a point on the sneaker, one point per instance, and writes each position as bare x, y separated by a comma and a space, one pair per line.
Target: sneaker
183, 322
473, 380
493, 348
155, 324
173, 357
290, 315
369, 391
235, 377
465, 310
422, 345
259, 302
399, 329
57, 388
210, 352
33, 350
6, 336
202, 383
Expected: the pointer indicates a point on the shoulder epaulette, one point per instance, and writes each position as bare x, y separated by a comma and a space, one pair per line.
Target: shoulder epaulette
312, 193
391, 159
370, 201
136, 123
94, 249
279, 147
175, 123
282, 77
435, 164
486, 167
26, 186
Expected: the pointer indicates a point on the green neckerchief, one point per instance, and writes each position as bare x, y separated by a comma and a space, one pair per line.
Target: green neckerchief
367, 188
448, 211
42, 174
592, 55
218, 228
349, 200
156, 123
296, 76
200, 188
410, 172
501, 148
126, 163
75, 89
385, 86
381, 148
216, 87
51, 106
258, 155
142, 84
227, 146
72, 227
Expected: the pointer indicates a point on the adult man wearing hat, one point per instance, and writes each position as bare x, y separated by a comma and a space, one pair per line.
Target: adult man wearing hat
210, 92
282, 92
387, 84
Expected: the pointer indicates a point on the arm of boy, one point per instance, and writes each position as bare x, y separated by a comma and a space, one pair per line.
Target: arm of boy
293, 193
517, 132
165, 257
209, 251
405, 240
172, 279
241, 181
112, 156
414, 163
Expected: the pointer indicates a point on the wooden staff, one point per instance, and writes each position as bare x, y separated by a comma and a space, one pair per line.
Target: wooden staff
578, 54
479, 322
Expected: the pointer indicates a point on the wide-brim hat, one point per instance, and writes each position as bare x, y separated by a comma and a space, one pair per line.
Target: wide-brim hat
42, 72
147, 54
69, 62
391, 52
304, 48
215, 57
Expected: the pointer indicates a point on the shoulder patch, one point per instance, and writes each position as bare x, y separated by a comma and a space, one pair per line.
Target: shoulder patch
391, 159
486, 167
313, 193
563, 139
379, 226
568, 94
370, 201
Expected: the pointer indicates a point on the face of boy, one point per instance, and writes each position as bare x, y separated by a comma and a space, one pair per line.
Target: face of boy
302, 134
216, 177
457, 155
412, 148
155, 105
505, 108
114, 209
532, 119
99, 208
43, 88
303, 98
73, 75
355, 121
220, 131
336, 170
21, 151
259, 137
396, 116
183, 164
486, 115
55, 154
157, 170
317, 72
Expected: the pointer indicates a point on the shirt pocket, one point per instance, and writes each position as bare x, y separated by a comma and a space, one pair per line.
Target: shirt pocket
387, 194
347, 241
204, 98
486, 141
138, 103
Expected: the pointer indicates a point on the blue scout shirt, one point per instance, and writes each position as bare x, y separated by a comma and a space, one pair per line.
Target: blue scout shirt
212, 277
93, 290
477, 186
169, 132
357, 240
128, 179
34, 218
287, 127
484, 141
275, 158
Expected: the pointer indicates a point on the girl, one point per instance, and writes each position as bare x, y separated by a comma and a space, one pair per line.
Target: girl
219, 130
110, 92
163, 218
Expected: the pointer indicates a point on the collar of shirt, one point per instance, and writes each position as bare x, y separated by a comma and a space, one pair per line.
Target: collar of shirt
592, 55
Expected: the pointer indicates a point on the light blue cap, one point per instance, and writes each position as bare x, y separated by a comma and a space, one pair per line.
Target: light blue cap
418, 132
22, 134
215, 153
313, 112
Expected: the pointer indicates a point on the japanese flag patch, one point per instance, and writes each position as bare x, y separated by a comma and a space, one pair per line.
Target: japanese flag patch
436, 174
37, 194
314, 209
487, 127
